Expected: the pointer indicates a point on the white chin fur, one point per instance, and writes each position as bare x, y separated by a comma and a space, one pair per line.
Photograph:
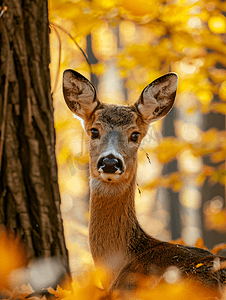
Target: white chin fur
109, 177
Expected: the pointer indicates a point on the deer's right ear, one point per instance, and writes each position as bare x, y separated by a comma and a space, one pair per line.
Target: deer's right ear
79, 94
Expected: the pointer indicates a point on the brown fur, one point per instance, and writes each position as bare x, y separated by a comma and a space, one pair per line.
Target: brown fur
117, 241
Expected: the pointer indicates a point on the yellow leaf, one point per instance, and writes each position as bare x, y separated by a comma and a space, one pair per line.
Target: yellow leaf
218, 156
219, 75
98, 69
217, 24
139, 8
67, 9
168, 149
219, 107
222, 91
219, 176
199, 243
105, 4
205, 96
218, 248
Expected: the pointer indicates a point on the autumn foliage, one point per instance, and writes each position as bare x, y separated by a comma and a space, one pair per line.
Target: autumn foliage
139, 41
134, 42
12, 256
89, 284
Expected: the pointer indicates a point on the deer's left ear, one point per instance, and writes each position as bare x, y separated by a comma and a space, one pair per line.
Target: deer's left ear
157, 98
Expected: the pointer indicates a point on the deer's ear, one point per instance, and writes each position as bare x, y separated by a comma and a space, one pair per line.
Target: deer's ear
157, 98
79, 94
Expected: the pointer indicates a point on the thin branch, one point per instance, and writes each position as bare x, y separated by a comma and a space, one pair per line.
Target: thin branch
147, 155
77, 45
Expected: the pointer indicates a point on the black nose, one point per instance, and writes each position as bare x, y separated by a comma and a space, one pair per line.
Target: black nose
110, 164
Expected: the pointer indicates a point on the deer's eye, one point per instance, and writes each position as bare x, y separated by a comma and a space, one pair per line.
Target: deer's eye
134, 137
94, 133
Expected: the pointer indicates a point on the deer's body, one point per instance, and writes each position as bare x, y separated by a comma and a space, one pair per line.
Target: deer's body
117, 241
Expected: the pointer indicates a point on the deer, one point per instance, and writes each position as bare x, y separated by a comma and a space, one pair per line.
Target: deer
116, 238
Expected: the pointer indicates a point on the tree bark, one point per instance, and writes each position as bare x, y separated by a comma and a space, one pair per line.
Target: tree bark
29, 192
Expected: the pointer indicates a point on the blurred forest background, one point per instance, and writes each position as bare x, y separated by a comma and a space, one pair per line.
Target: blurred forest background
129, 43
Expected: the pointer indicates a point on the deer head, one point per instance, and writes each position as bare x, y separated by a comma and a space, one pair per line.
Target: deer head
116, 131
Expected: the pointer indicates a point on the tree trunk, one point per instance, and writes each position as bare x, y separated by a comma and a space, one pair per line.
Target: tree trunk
175, 221
29, 192
210, 191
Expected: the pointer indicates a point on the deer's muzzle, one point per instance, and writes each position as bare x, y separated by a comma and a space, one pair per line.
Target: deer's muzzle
110, 164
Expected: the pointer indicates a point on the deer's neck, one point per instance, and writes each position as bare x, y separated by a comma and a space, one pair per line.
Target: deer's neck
114, 232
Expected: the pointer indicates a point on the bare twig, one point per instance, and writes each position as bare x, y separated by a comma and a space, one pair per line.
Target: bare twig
77, 45
147, 155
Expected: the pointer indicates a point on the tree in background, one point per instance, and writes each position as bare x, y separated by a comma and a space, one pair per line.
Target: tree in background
29, 192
